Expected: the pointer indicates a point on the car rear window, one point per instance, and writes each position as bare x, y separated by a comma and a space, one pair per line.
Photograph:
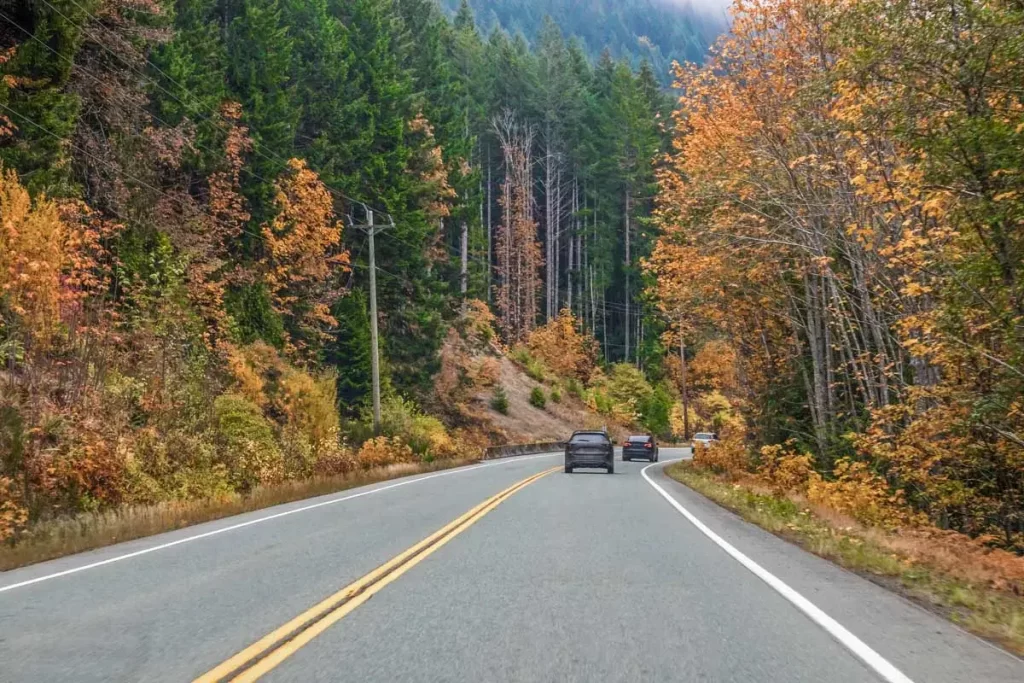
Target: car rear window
639, 439
589, 438
704, 436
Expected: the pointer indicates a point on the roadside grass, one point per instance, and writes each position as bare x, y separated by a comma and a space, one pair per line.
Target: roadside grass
55, 538
887, 559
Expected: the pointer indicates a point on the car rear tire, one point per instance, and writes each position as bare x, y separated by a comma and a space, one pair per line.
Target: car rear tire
626, 459
611, 469
568, 469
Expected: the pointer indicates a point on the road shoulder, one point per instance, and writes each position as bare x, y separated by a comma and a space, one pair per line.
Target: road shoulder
919, 643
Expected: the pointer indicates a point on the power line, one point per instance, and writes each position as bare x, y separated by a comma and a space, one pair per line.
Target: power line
182, 203
268, 156
98, 80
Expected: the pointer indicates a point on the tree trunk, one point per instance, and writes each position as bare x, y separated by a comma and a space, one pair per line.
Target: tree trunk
684, 388
491, 230
629, 263
549, 224
557, 249
464, 275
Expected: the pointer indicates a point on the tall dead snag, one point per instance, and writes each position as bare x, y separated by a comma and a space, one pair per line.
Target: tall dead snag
518, 255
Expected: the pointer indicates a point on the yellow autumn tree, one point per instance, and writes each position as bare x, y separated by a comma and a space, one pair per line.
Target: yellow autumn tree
48, 252
305, 259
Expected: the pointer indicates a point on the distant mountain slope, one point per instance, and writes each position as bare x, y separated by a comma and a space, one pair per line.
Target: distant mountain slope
657, 30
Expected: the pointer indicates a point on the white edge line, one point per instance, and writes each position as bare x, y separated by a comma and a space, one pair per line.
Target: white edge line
858, 647
242, 525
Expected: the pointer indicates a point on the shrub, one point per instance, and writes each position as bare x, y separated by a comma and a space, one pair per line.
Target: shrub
785, 470
383, 451
175, 464
304, 402
728, 456
488, 372
499, 402
248, 447
862, 494
477, 323
310, 403
424, 434
656, 412
13, 515
521, 355
600, 402
537, 398
556, 395
335, 462
628, 386
534, 368
575, 388
430, 440
537, 371
89, 474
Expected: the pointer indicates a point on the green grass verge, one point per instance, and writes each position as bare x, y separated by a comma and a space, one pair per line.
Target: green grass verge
69, 535
992, 614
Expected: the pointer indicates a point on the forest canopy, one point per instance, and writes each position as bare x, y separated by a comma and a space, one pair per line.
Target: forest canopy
658, 31
186, 188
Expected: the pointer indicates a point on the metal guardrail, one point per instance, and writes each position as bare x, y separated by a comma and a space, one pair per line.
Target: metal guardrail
513, 450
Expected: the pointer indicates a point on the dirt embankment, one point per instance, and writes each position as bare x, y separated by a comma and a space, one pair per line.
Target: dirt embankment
525, 423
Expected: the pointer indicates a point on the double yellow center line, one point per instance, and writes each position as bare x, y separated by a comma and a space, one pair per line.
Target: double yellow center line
268, 652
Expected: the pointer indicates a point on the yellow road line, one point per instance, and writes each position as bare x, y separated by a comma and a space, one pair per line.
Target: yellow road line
269, 651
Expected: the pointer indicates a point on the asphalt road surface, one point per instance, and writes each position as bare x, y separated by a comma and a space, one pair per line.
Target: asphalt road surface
583, 577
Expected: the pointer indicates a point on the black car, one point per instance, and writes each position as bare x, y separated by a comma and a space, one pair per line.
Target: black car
643, 447
590, 449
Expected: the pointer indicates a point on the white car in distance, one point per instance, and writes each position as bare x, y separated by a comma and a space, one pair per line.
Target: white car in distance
704, 439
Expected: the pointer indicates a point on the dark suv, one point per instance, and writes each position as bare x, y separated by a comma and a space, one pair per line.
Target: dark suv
590, 449
644, 447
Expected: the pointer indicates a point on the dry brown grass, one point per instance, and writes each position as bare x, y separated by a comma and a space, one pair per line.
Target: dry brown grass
958, 556
66, 536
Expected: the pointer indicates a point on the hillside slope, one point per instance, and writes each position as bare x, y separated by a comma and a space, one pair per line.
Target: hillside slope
477, 369
525, 423
659, 31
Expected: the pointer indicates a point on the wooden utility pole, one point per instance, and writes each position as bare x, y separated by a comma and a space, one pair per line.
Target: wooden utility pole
371, 231
374, 335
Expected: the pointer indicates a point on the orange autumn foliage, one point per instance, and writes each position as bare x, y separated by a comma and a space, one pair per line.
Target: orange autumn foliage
383, 451
13, 513
48, 252
820, 214
305, 259
564, 348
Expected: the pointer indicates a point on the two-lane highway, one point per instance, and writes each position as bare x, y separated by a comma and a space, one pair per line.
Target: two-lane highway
492, 573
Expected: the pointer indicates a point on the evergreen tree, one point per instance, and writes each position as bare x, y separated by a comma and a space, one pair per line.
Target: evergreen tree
43, 41
259, 73
349, 352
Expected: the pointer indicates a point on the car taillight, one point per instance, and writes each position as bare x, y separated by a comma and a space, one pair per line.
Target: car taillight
647, 445
625, 443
